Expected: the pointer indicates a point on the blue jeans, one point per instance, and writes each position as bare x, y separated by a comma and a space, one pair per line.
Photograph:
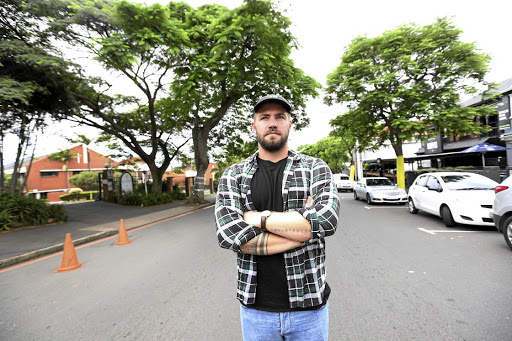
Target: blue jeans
309, 325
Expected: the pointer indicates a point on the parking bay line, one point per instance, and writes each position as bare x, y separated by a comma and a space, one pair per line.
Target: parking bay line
442, 231
371, 208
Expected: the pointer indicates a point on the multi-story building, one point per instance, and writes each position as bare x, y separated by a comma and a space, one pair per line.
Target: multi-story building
444, 151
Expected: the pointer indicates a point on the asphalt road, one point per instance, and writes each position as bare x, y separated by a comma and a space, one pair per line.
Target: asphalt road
390, 281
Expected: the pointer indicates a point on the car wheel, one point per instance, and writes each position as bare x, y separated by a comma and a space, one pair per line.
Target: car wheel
412, 207
355, 196
368, 199
446, 214
507, 231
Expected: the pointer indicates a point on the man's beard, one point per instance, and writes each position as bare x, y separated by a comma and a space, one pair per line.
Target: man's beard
272, 146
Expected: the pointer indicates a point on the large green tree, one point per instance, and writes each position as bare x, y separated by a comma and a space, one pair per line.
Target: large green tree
34, 81
407, 83
143, 44
236, 56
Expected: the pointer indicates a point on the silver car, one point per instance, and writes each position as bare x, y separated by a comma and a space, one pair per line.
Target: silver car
502, 209
379, 190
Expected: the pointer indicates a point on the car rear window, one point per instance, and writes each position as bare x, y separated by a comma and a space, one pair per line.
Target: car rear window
379, 182
468, 181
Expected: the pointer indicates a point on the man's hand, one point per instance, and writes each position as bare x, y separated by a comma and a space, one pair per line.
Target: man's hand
310, 202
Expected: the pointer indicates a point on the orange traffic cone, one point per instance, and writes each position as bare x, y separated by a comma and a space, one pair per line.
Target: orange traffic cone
122, 237
69, 259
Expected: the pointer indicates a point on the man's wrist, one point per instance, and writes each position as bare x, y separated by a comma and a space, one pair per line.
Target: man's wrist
264, 215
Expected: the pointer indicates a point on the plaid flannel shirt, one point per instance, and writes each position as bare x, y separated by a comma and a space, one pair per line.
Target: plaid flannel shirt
305, 271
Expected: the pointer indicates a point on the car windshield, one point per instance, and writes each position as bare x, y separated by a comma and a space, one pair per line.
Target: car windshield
379, 182
468, 182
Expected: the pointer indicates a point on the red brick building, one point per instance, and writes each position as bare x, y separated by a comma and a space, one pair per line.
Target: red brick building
179, 178
48, 179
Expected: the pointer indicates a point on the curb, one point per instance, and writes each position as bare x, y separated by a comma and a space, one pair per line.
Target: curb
4, 263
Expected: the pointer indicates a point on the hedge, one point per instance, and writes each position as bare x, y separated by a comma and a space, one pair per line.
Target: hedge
79, 196
150, 199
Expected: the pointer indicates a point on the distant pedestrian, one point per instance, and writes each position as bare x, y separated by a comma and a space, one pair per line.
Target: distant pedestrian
274, 210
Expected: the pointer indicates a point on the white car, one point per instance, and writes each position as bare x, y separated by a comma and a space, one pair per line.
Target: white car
502, 209
379, 189
343, 182
456, 197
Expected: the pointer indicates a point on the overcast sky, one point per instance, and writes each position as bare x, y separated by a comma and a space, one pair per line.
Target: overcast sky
324, 28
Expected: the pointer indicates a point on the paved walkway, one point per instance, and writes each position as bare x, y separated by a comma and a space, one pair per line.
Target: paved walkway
87, 222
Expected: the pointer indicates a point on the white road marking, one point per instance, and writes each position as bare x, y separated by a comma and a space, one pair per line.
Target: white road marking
443, 231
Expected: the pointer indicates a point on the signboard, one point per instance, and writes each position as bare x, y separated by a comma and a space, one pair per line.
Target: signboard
503, 108
126, 183
434, 145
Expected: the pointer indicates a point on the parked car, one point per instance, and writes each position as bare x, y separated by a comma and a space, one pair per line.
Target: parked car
379, 189
456, 197
502, 209
343, 182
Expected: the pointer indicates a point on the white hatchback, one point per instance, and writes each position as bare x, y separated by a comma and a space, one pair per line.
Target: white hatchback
343, 182
456, 197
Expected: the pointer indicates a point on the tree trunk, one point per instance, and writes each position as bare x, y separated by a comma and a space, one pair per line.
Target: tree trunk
18, 163
2, 174
200, 138
27, 172
156, 174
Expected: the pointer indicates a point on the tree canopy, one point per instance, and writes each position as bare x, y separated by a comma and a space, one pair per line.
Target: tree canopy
236, 56
35, 80
145, 44
407, 83
199, 71
332, 150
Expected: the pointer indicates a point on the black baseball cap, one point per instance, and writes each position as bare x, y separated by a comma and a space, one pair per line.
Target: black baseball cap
275, 99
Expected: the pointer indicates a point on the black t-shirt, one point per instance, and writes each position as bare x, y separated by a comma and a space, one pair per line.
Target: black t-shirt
272, 286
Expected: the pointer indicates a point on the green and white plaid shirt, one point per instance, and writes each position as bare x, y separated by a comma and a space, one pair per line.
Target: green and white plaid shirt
303, 176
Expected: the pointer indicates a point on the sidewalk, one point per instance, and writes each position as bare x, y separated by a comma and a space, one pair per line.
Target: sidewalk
87, 222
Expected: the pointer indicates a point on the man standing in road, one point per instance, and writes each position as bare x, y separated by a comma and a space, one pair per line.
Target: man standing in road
274, 210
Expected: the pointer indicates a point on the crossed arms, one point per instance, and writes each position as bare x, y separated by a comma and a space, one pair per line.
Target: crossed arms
285, 231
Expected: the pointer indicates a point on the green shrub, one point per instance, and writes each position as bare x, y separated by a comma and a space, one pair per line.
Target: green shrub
151, 199
78, 196
6, 219
58, 213
18, 210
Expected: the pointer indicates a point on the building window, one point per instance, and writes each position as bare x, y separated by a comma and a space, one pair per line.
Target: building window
45, 174
76, 172
42, 195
